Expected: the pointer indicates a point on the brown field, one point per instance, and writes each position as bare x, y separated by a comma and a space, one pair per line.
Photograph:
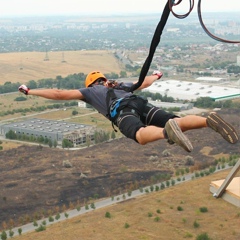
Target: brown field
221, 222
36, 181
25, 66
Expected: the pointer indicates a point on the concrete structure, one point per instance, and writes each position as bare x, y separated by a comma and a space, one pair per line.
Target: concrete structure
54, 130
229, 188
211, 79
184, 90
238, 60
167, 105
82, 104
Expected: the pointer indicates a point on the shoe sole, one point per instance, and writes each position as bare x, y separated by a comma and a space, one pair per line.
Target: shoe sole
179, 138
225, 129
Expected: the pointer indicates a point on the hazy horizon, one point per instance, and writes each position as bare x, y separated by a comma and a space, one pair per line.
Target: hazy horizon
24, 8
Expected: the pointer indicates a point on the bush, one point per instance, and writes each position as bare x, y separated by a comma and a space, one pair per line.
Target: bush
203, 236
108, 215
149, 214
126, 225
67, 164
203, 209
196, 224
35, 224
51, 219
57, 217
179, 208
40, 228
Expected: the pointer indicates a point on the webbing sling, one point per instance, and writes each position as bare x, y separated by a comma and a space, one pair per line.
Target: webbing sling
153, 46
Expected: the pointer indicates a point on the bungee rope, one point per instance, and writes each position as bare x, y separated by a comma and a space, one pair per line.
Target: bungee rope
153, 46
206, 30
158, 33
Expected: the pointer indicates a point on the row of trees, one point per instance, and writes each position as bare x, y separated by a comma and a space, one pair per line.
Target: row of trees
31, 138
207, 102
72, 81
99, 137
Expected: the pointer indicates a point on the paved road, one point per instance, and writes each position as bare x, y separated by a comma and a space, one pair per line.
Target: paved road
49, 111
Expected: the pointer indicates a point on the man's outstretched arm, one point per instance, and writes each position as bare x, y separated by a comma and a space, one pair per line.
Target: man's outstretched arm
54, 94
149, 80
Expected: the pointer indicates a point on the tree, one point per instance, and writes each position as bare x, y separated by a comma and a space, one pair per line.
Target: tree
57, 217
32, 84
19, 231
4, 235
92, 205
11, 135
50, 143
74, 112
55, 143
11, 233
41, 228
66, 143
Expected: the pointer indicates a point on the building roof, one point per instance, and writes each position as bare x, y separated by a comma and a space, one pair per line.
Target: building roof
210, 79
47, 126
184, 90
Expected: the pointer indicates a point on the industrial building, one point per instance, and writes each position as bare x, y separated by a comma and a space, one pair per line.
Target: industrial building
169, 105
211, 79
54, 130
183, 90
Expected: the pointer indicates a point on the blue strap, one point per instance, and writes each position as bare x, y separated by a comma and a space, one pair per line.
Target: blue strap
114, 107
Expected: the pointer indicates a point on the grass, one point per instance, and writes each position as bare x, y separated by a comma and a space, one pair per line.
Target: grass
220, 222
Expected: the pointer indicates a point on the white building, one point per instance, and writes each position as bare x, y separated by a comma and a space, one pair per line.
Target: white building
238, 60
183, 90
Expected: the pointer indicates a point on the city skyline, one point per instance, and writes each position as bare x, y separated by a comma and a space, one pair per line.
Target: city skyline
14, 8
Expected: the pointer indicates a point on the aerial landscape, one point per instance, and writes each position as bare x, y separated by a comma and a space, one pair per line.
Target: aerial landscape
102, 185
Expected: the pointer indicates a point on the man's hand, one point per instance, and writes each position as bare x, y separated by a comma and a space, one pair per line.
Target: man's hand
24, 89
157, 73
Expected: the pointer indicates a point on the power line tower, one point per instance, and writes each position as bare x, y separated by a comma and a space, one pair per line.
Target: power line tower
63, 59
46, 56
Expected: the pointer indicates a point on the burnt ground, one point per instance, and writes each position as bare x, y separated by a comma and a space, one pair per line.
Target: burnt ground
33, 180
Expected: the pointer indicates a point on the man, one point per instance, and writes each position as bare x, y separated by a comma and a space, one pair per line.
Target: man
134, 116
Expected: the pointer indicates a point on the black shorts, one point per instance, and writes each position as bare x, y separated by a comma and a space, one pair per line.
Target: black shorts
131, 120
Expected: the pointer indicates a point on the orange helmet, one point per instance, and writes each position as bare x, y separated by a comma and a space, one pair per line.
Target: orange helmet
92, 77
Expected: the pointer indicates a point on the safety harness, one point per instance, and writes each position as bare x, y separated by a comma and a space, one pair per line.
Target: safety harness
117, 106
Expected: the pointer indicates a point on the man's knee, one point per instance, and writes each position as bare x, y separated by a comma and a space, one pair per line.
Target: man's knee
139, 136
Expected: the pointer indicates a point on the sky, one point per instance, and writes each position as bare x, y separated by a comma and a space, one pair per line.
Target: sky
101, 7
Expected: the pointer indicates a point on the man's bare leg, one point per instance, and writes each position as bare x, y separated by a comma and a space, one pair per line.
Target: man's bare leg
172, 132
190, 122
